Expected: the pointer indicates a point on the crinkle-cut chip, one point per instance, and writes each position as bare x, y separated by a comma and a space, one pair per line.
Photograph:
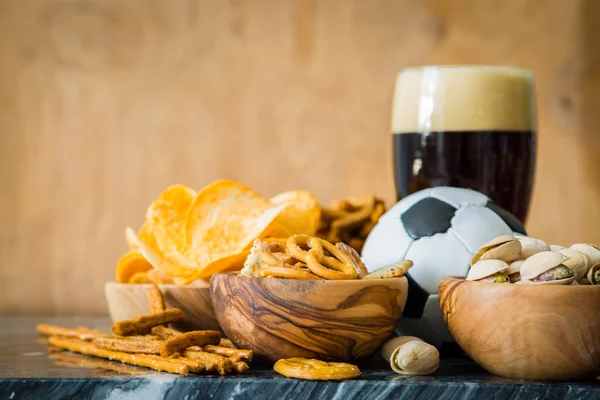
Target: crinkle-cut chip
224, 218
304, 214
139, 277
129, 264
156, 259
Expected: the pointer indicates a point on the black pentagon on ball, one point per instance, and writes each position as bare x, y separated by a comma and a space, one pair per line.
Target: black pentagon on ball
427, 217
416, 299
513, 223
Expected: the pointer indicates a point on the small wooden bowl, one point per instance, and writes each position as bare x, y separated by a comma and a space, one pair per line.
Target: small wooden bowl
328, 320
540, 332
127, 301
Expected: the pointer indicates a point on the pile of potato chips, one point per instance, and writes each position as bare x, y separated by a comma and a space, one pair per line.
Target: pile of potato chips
188, 236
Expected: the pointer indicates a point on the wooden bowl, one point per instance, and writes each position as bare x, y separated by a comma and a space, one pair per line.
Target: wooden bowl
540, 332
329, 320
127, 301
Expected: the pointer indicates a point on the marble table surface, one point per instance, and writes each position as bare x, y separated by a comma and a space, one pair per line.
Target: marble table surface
27, 371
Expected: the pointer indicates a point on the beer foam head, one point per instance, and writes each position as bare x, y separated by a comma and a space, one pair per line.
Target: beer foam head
431, 99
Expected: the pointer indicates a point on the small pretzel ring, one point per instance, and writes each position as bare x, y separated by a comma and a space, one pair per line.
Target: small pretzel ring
303, 368
288, 273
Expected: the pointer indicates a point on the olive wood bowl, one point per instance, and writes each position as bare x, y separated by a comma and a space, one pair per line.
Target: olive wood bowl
328, 320
541, 332
127, 301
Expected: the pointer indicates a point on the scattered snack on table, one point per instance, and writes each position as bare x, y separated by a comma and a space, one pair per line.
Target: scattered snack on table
351, 220
163, 350
535, 262
309, 257
409, 355
155, 299
311, 369
144, 324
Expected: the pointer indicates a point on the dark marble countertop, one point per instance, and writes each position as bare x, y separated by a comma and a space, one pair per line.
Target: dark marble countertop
27, 371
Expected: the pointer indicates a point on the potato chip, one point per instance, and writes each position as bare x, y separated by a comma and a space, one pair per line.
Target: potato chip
303, 214
276, 230
129, 264
225, 217
139, 277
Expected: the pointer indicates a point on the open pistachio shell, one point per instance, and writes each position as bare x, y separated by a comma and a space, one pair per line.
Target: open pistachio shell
593, 275
591, 251
578, 262
514, 270
531, 246
566, 281
505, 248
541, 262
409, 355
484, 268
556, 247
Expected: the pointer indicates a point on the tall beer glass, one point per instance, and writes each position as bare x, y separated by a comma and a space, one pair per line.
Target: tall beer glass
470, 127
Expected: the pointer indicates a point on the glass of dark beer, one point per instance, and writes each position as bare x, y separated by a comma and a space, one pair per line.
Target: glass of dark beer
470, 127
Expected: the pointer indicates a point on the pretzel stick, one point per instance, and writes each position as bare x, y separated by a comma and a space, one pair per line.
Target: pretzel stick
155, 299
163, 332
184, 340
81, 332
127, 345
240, 366
142, 325
193, 365
226, 343
213, 362
239, 354
395, 270
80, 346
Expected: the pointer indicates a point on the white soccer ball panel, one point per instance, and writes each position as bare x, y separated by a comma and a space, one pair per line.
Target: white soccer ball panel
475, 226
459, 197
387, 243
436, 257
400, 207
432, 318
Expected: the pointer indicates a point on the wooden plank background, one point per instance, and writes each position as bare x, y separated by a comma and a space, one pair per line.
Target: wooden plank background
104, 103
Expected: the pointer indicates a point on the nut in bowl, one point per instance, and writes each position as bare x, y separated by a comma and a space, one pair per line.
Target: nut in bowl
319, 314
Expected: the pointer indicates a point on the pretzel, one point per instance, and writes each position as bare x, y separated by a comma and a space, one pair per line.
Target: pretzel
213, 362
334, 267
395, 270
128, 345
361, 269
178, 343
237, 354
163, 332
303, 368
81, 332
239, 366
288, 273
80, 346
227, 343
142, 325
155, 299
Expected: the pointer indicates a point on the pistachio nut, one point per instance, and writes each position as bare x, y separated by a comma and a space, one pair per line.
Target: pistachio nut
409, 355
556, 247
514, 270
547, 268
578, 262
531, 246
489, 271
593, 275
590, 250
505, 248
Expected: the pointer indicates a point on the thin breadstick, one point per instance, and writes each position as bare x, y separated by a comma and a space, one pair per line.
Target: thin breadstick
164, 333
178, 343
155, 299
240, 366
64, 359
80, 346
194, 366
239, 354
142, 325
213, 362
395, 270
79, 333
127, 345
226, 343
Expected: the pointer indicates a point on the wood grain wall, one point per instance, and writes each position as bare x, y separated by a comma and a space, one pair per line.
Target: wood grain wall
104, 103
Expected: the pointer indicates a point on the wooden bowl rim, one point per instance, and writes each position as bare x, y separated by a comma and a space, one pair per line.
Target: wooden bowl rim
514, 286
165, 286
315, 282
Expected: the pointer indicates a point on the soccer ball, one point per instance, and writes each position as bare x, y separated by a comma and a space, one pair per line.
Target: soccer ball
438, 229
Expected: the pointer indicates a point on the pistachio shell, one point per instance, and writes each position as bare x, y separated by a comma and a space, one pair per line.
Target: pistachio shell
577, 261
531, 246
541, 262
505, 248
514, 267
566, 281
556, 247
484, 268
591, 272
591, 251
